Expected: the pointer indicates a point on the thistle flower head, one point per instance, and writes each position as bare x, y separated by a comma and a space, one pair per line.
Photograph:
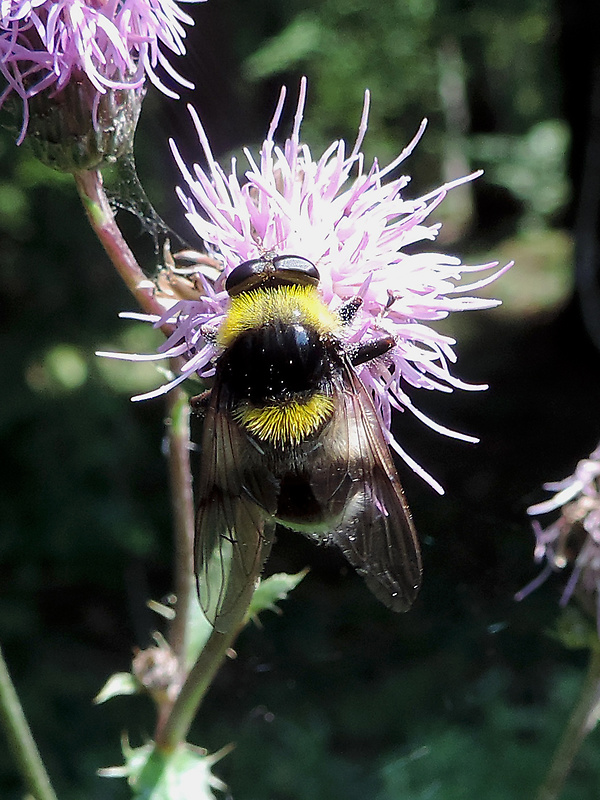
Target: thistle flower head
113, 44
574, 538
355, 228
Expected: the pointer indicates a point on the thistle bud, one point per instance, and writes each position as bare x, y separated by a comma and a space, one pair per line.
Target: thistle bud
80, 128
79, 67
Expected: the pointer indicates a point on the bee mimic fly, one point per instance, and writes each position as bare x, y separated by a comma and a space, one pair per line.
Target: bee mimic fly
291, 437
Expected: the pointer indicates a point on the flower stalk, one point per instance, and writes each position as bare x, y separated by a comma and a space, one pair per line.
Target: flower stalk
20, 740
182, 501
176, 726
100, 215
173, 720
583, 720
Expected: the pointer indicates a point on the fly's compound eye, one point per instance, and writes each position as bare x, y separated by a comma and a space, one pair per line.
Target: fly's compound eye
245, 276
277, 271
297, 270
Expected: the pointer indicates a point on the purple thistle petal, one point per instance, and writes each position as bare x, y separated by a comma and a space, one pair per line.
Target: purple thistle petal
570, 587
535, 583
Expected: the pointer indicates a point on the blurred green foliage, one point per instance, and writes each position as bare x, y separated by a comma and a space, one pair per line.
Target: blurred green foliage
465, 696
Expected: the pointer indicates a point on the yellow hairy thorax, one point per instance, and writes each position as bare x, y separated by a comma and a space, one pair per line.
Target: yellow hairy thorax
285, 423
286, 304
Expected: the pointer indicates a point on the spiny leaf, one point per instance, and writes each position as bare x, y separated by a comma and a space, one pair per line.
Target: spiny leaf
273, 589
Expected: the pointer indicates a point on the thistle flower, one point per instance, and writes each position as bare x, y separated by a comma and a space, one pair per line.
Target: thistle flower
113, 45
355, 228
574, 538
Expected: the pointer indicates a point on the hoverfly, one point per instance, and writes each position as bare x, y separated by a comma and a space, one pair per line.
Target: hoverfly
291, 437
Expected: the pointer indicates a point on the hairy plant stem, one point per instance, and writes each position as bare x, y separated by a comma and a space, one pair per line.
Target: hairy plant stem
182, 500
100, 215
20, 740
583, 720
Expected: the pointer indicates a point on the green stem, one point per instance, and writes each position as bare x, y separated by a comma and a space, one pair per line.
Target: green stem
183, 512
20, 740
91, 190
177, 725
173, 722
583, 720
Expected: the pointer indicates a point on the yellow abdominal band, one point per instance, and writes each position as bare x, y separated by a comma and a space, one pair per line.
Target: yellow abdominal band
286, 423
286, 304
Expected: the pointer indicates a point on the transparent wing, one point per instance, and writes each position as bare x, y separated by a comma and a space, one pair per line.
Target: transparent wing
234, 529
378, 536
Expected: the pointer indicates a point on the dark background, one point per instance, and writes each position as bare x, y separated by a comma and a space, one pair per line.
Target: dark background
467, 694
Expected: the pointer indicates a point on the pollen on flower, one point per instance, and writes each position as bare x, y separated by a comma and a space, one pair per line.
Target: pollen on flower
355, 226
46, 45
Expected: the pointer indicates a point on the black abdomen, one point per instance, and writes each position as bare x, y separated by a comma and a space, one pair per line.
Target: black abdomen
274, 362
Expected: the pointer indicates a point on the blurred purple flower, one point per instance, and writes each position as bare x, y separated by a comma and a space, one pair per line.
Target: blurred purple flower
574, 538
114, 43
355, 230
